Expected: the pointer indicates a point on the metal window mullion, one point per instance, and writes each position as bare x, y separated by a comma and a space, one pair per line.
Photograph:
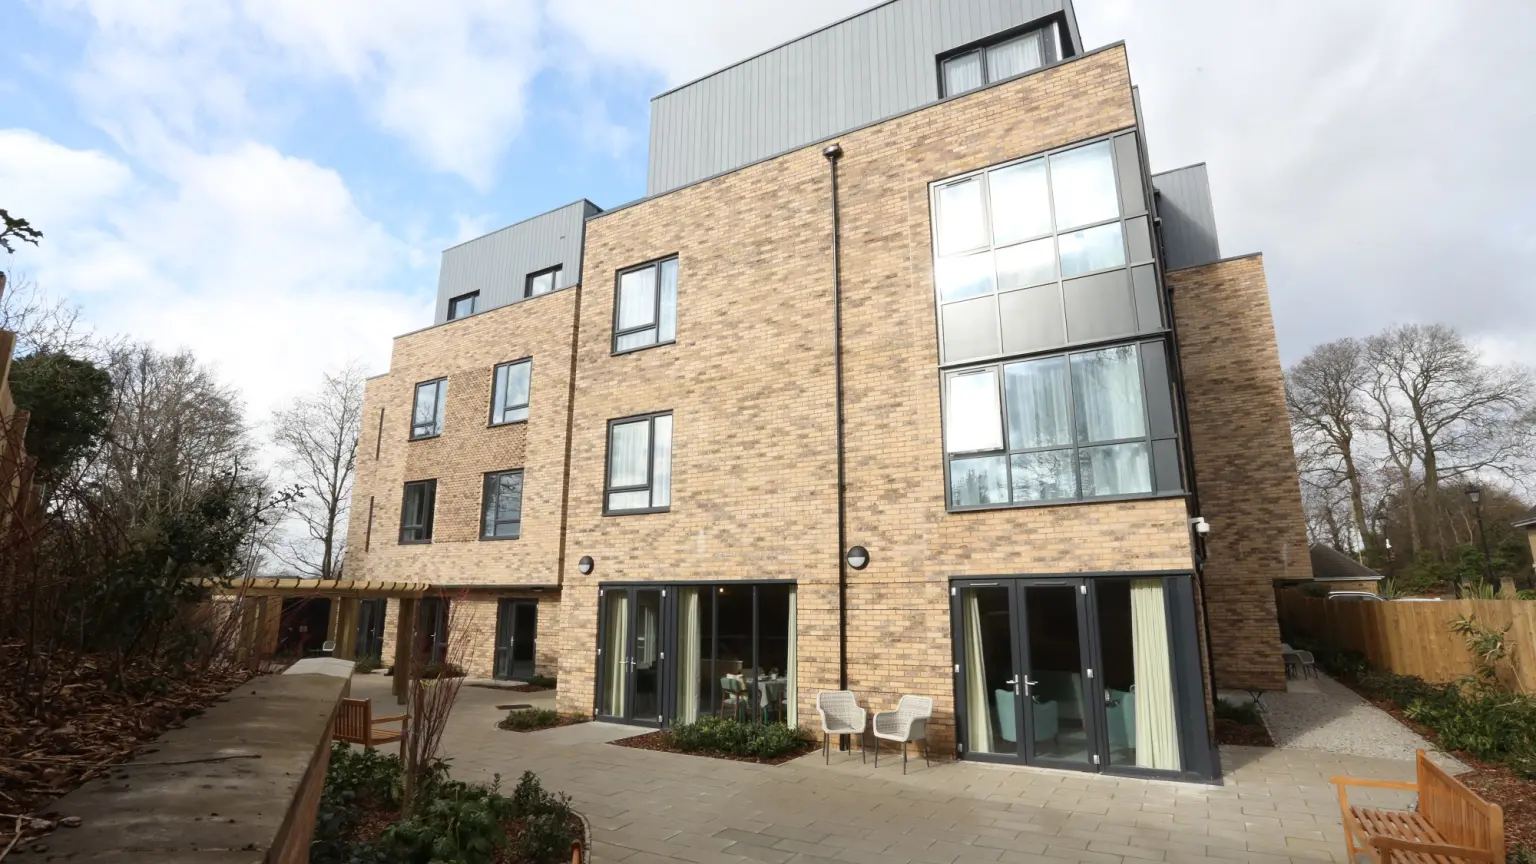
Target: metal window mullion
650, 460
1060, 281
1077, 471
1002, 410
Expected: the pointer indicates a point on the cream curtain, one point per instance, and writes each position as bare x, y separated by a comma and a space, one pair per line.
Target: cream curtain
793, 710
978, 712
1157, 734
647, 646
688, 655
614, 678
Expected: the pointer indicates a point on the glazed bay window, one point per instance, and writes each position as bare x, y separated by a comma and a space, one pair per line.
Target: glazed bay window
416, 511
1043, 253
1000, 59
509, 392
1066, 427
430, 405
542, 282
463, 305
501, 506
639, 465
645, 307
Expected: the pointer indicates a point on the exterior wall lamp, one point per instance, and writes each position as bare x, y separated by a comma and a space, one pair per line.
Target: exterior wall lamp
585, 565
858, 558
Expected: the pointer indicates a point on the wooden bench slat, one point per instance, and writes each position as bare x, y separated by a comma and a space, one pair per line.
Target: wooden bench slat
1449, 818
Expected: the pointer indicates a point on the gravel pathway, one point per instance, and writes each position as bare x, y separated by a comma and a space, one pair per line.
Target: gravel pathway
1336, 720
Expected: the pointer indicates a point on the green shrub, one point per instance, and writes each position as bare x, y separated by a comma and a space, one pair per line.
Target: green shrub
730, 736
1525, 595
459, 823
546, 834
1491, 725
441, 670
366, 665
541, 681
526, 719
356, 780
1246, 713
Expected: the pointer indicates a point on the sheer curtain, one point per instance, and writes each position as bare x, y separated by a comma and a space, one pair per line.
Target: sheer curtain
1107, 388
661, 475
688, 655
790, 672
1014, 57
614, 652
962, 73
647, 635
1157, 733
637, 298
978, 712
1039, 411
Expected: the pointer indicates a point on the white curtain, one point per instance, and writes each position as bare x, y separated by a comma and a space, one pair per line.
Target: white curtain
637, 298
661, 475
647, 652
1039, 411
1014, 57
667, 326
615, 679
978, 712
962, 73
790, 664
1157, 734
1107, 389
688, 655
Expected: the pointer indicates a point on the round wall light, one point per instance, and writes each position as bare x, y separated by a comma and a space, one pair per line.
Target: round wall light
585, 565
858, 558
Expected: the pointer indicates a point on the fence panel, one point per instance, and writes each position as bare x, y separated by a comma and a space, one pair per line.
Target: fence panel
1414, 638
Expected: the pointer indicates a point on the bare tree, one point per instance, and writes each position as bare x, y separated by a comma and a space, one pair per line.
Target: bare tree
1436, 400
40, 322
1325, 392
318, 437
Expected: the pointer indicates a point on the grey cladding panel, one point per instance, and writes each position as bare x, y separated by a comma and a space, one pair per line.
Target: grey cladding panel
497, 265
1189, 220
872, 66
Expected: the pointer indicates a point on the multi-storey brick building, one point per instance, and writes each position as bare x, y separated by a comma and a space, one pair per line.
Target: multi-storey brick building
906, 377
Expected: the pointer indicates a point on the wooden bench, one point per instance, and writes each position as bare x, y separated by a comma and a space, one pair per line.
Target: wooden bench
355, 725
1449, 822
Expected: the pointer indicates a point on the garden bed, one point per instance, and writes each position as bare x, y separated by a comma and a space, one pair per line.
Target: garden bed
534, 719
765, 744
1241, 725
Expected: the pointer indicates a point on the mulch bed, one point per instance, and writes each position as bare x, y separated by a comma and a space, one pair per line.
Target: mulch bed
87, 724
1495, 782
514, 829
563, 720
658, 741
1242, 734
529, 688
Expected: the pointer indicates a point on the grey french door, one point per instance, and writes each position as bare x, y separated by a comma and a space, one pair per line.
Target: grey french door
370, 627
516, 638
1025, 672
432, 630
633, 630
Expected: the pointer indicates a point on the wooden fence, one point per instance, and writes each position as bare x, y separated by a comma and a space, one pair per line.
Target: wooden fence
1415, 638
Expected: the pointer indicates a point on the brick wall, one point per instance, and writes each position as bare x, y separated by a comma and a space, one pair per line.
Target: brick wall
475, 616
1244, 463
750, 382
466, 351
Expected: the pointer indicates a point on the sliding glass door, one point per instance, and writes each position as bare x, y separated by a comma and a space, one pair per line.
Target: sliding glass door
1066, 673
679, 652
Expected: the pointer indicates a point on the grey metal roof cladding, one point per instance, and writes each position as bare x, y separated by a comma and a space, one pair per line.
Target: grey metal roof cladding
877, 64
497, 265
1189, 220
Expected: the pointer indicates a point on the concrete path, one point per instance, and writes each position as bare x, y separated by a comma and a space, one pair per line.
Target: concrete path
1322, 714
1275, 806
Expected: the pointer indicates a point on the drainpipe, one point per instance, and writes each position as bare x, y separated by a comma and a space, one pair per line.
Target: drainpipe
833, 153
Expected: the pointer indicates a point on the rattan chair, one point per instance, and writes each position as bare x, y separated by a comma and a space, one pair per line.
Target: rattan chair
840, 715
908, 723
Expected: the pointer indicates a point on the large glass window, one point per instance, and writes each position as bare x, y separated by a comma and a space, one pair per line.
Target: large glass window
509, 392
1062, 427
736, 652
501, 506
430, 405
1046, 252
645, 307
416, 511
639, 464
1000, 59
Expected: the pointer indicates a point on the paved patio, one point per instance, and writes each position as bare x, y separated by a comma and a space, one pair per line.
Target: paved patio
1274, 806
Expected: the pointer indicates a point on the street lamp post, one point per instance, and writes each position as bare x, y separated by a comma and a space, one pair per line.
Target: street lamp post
1476, 495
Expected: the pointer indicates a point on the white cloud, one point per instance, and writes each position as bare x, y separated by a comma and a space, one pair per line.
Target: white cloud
259, 263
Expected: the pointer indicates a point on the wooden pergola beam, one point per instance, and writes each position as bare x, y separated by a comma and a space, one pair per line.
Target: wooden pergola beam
317, 588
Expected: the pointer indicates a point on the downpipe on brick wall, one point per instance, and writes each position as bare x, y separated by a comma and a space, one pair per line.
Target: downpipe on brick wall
833, 152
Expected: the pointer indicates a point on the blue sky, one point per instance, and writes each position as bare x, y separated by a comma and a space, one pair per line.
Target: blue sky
270, 182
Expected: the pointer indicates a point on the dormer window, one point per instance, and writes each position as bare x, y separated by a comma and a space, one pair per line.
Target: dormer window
999, 58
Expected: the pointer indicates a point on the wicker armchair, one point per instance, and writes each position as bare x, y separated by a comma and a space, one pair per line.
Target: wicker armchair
908, 723
840, 715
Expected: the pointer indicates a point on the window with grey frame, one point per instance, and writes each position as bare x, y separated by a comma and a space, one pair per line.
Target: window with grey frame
463, 305
501, 506
427, 412
509, 392
639, 468
1065, 427
1045, 252
542, 282
416, 511
1000, 58
645, 306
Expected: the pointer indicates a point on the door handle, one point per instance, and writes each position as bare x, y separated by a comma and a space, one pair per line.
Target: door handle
1015, 682
1028, 684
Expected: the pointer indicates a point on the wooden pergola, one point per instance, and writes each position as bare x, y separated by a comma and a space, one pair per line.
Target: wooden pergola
256, 618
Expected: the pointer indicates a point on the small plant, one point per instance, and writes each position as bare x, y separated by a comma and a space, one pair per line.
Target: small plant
1246, 713
366, 665
545, 681
1387, 589
529, 719
1480, 590
1488, 647
733, 737
1526, 595
441, 670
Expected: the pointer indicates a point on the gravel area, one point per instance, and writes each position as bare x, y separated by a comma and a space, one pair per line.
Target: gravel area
1336, 720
